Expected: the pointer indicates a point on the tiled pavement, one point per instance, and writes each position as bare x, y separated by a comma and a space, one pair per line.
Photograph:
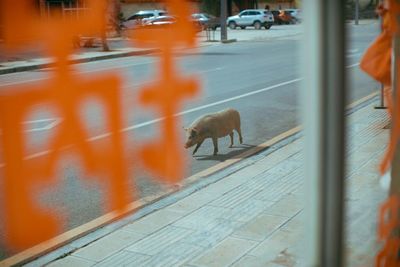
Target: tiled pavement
253, 217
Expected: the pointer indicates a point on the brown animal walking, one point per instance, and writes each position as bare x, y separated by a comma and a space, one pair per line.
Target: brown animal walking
214, 126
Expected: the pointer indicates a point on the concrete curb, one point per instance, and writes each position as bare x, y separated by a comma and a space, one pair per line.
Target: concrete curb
80, 60
189, 185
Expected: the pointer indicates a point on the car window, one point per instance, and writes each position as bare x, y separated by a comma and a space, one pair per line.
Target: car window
162, 13
133, 17
244, 13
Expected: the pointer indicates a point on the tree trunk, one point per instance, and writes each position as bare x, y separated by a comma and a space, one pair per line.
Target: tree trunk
103, 29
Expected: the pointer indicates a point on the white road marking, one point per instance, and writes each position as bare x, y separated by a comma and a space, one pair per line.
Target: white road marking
140, 125
354, 55
352, 50
353, 65
53, 123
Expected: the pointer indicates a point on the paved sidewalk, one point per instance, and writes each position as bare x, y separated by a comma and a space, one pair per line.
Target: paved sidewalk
253, 216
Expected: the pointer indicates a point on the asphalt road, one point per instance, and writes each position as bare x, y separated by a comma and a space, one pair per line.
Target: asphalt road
259, 77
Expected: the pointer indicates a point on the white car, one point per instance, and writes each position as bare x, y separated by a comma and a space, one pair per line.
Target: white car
295, 13
251, 17
139, 18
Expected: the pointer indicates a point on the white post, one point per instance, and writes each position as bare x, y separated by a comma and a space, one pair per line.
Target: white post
324, 123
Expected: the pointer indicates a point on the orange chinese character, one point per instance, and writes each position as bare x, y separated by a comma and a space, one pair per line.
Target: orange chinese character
26, 223
164, 156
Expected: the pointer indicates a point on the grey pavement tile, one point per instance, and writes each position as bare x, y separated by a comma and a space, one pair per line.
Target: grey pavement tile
172, 256
251, 261
154, 221
277, 243
247, 261
124, 258
277, 156
235, 197
194, 201
296, 224
206, 217
263, 180
108, 245
156, 242
71, 261
260, 227
286, 167
286, 185
208, 238
225, 253
227, 184
247, 210
286, 206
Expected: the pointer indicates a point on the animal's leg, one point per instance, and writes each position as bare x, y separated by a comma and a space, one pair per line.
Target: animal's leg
231, 136
240, 135
197, 147
215, 142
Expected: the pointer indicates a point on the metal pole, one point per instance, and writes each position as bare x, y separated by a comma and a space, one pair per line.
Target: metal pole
357, 12
395, 167
323, 104
382, 104
224, 32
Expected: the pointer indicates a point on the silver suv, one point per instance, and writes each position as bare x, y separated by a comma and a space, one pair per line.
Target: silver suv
251, 17
140, 17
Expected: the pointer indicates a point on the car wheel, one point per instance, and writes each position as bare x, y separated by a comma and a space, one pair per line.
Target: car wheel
257, 25
232, 25
242, 27
267, 26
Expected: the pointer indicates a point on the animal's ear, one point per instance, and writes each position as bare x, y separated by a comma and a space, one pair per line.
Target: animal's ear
186, 129
194, 131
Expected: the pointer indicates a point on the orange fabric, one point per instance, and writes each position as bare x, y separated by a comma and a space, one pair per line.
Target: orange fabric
377, 59
388, 224
377, 63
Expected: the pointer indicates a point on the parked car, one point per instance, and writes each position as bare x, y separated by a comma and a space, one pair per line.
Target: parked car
167, 21
295, 13
207, 21
251, 17
286, 17
277, 18
139, 18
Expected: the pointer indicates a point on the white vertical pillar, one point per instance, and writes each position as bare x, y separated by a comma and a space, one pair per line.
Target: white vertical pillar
324, 123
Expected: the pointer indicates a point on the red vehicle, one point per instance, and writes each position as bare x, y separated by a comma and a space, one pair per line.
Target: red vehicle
286, 17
